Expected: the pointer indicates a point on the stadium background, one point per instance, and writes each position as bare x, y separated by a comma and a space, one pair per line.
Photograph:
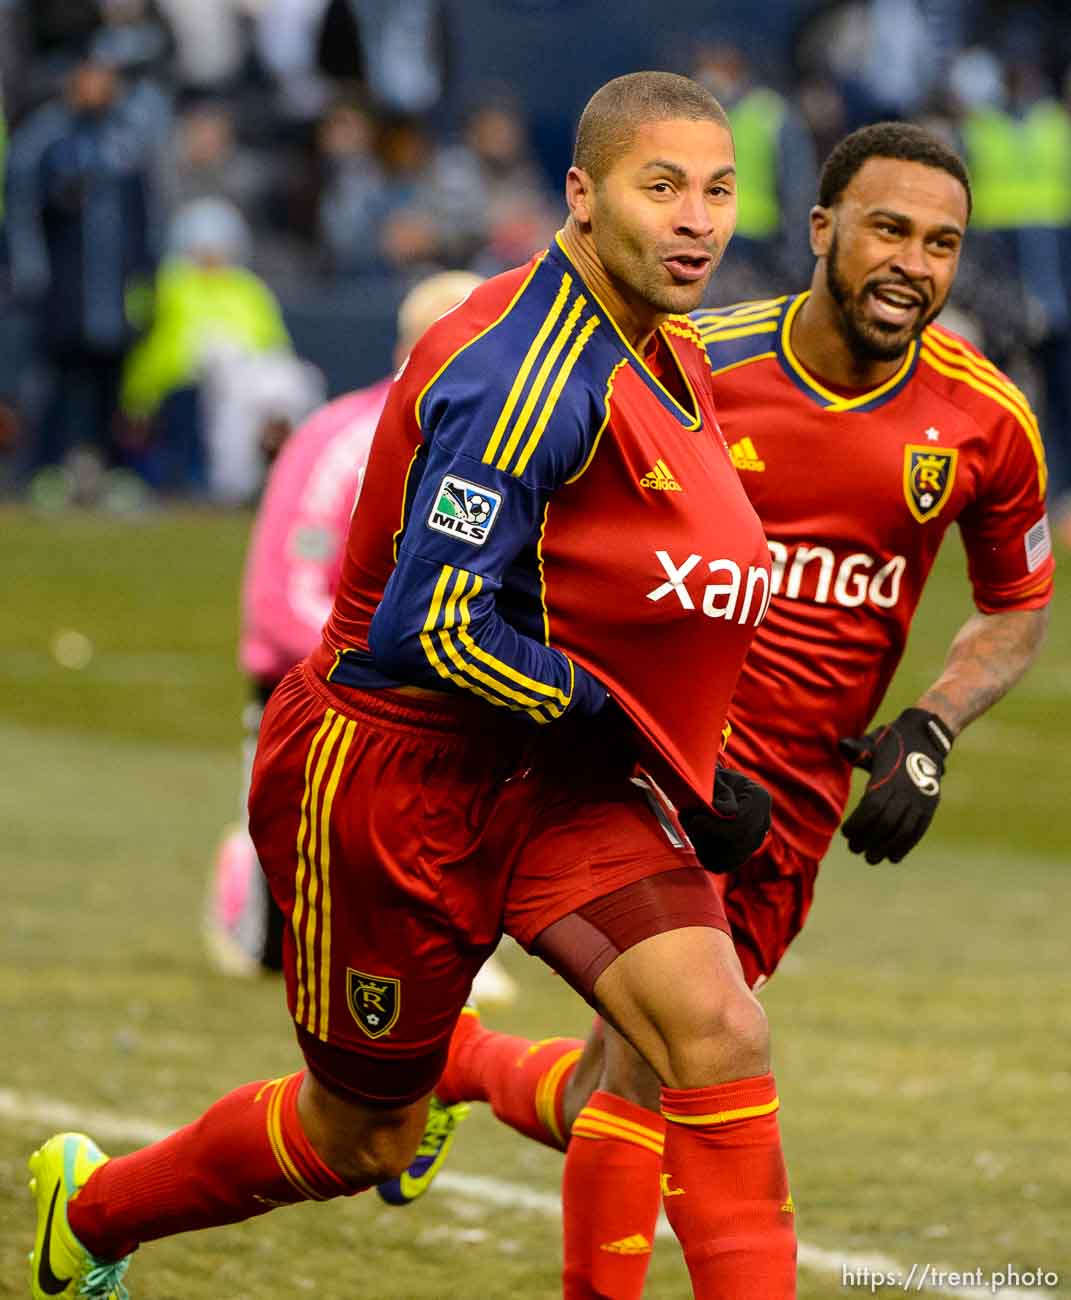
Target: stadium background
920, 1024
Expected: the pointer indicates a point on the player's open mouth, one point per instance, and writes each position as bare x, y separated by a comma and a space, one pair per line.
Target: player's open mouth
688, 266
896, 304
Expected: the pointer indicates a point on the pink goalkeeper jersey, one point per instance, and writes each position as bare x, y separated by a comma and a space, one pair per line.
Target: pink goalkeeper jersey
295, 553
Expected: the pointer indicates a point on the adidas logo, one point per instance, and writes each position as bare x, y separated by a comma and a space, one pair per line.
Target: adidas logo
660, 476
789, 1206
637, 1244
745, 455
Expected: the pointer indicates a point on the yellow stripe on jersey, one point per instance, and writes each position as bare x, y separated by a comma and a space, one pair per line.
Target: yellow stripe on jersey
579, 344
317, 830
476, 337
308, 804
405, 497
499, 665
521, 378
747, 361
447, 622
717, 317
980, 374
538, 384
341, 750
725, 1116
448, 614
432, 655
692, 418
602, 427
837, 401
741, 332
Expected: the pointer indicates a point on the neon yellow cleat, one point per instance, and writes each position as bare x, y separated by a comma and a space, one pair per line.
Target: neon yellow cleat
60, 1266
435, 1146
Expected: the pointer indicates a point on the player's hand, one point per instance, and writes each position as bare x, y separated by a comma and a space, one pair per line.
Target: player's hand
906, 760
727, 833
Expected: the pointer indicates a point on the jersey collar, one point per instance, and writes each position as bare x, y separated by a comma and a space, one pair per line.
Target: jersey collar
825, 397
692, 421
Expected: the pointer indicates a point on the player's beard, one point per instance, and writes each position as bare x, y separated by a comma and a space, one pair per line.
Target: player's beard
871, 340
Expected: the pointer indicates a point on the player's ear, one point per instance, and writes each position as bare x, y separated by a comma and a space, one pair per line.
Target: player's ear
579, 193
821, 230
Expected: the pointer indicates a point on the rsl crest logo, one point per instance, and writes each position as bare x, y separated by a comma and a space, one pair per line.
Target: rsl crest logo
929, 473
374, 1001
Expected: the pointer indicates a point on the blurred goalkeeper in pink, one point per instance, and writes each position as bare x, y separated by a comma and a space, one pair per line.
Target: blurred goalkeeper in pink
291, 571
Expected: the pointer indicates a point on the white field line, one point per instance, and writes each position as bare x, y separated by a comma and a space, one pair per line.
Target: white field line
51, 1114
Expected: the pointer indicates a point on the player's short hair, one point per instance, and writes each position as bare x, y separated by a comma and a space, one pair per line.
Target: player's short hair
613, 113
901, 140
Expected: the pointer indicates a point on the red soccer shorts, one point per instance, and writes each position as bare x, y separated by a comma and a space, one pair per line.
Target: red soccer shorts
767, 904
401, 834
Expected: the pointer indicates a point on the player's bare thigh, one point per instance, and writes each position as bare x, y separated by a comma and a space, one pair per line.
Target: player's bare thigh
680, 998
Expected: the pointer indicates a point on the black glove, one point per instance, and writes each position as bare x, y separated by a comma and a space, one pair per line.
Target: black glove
725, 835
906, 760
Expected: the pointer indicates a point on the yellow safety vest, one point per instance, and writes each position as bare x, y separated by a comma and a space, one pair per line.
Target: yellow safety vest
756, 121
1020, 167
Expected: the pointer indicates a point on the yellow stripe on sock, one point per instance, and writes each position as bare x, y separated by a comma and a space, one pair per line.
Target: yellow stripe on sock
283, 1158
546, 1098
725, 1116
608, 1117
585, 1127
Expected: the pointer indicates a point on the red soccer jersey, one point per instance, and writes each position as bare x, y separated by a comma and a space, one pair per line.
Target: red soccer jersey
855, 494
542, 520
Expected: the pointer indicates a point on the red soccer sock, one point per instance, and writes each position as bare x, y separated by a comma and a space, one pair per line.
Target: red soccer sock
523, 1081
610, 1199
726, 1191
244, 1156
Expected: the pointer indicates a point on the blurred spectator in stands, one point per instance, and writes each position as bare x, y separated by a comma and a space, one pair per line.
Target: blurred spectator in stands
78, 228
351, 188
206, 303
13, 54
287, 35
776, 172
396, 50
212, 40
1019, 152
489, 193
136, 37
413, 238
208, 161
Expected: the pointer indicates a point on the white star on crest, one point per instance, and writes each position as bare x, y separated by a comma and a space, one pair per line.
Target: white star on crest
933, 434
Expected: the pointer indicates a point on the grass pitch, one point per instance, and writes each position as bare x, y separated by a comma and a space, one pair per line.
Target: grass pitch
920, 1024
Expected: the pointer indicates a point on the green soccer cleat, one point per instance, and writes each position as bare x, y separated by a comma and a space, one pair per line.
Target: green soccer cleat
435, 1146
60, 1266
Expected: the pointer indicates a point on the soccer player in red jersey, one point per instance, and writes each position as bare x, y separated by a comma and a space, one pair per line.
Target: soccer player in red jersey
861, 431
458, 757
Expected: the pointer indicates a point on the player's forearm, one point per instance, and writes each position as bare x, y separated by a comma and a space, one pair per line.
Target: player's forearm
989, 654
438, 627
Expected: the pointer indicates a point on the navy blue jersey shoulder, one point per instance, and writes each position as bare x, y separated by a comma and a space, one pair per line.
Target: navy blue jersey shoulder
743, 332
527, 396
